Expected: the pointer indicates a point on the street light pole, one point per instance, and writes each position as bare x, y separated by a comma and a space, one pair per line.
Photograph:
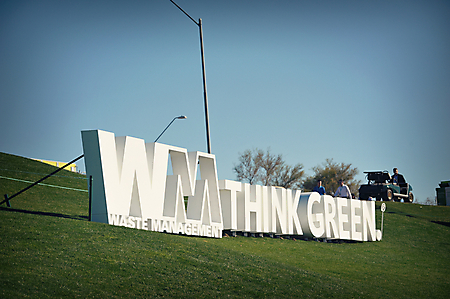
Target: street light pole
177, 117
205, 95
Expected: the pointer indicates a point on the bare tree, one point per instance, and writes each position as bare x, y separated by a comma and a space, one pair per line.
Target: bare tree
249, 166
270, 164
268, 169
289, 177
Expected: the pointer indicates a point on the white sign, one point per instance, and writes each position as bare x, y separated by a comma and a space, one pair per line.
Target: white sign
134, 187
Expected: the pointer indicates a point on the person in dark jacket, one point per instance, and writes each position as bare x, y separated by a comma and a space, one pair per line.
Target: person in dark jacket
397, 178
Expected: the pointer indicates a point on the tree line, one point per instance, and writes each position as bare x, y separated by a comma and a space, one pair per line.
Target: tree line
265, 168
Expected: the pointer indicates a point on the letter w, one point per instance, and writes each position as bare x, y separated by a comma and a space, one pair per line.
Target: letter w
121, 179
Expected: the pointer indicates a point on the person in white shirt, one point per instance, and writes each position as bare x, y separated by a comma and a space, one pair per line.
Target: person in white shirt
343, 191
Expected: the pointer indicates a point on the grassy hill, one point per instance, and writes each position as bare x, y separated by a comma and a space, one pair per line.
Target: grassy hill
49, 249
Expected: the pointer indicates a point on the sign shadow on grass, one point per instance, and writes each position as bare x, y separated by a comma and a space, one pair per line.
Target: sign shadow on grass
75, 217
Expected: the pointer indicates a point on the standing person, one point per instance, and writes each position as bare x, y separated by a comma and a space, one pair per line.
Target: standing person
397, 178
343, 191
319, 188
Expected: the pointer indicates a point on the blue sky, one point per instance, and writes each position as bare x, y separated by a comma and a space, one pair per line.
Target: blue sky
362, 82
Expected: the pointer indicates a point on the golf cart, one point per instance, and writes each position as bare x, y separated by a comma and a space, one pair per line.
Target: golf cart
379, 186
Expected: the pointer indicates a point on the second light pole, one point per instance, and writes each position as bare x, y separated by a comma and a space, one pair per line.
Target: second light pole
205, 95
176, 117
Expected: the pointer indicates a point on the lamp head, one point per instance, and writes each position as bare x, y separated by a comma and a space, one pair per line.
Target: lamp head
182, 117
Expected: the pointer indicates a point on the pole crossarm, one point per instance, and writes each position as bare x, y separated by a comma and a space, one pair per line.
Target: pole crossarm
7, 199
176, 117
185, 13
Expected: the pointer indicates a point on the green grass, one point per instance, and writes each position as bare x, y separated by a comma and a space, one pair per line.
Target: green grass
49, 249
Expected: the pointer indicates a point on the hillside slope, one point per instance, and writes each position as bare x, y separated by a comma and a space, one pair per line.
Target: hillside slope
49, 249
